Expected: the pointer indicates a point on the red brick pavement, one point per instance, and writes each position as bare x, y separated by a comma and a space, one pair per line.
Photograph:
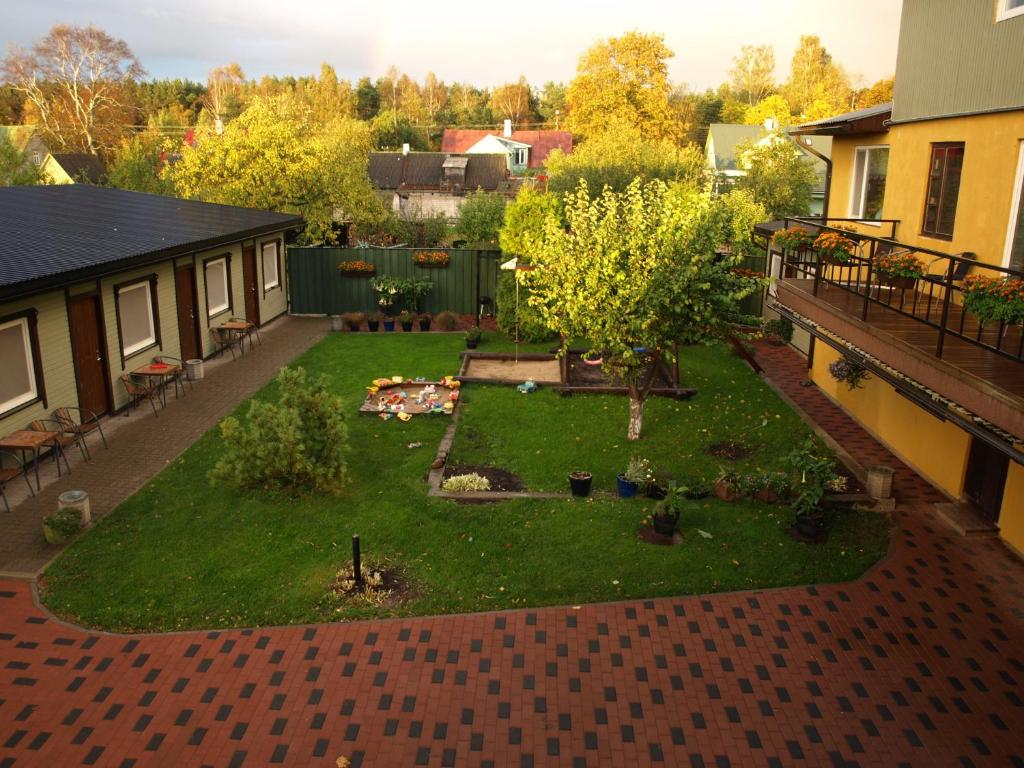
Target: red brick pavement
918, 663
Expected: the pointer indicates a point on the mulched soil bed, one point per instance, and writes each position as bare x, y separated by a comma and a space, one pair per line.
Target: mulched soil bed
583, 375
501, 479
730, 449
647, 534
391, 590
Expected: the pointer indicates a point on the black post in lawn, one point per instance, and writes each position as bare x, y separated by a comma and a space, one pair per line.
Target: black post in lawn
357, 570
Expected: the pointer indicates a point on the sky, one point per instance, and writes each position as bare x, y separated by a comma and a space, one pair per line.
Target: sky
485, 43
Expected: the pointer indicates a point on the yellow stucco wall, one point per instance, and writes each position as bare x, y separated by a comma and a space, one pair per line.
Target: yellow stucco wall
935, 448
991, 152
1011, 514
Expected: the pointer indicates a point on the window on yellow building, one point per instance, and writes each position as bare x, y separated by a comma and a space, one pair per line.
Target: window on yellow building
1015, 232
870, 166
943, 189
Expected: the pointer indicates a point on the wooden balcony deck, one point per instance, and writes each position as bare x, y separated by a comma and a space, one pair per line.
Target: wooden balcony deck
1001, 372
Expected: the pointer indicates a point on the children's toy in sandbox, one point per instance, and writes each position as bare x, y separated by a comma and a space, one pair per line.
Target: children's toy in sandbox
402, 398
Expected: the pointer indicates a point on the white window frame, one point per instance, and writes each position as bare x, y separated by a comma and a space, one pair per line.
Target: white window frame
1015, 204
520, 156
214, 311
1004, 12
863, 183
147, 288
30, 365
269, 285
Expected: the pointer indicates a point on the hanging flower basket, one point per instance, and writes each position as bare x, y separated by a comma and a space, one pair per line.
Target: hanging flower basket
357, 268
994, 299
431, 259
834, 248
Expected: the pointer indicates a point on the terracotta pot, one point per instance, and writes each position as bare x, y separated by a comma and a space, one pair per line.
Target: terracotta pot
766, 496
725, 490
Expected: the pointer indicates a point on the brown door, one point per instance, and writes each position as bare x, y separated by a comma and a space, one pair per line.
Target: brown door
249, 280
188, 323
986, 478
90, 353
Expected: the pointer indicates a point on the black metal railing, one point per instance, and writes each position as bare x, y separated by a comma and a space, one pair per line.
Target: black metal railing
934, 300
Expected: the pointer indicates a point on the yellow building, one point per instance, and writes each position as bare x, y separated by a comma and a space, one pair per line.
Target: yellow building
933, 179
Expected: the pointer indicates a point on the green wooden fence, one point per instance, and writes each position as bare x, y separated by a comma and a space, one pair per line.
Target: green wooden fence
316, 287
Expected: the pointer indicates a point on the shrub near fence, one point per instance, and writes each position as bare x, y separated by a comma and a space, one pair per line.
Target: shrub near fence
316, 286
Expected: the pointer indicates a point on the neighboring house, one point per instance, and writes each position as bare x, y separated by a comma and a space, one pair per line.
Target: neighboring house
940, 173
94, 282
73, 168
26, 139
523, 150
424, 184
722, 154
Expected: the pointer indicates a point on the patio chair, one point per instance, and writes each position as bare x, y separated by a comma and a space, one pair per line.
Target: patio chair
64, 439
960, 271
179, 376
137, 393
250, 329
8, 473
222, 339
85, 424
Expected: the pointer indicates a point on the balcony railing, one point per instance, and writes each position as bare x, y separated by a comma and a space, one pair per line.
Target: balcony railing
934, 301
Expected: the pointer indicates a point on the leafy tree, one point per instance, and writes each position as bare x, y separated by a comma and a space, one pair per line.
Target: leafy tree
878, 93
551, 103
16, 169
272, 158
331, 98
137, 165
296, 444
623, 79
434, 96
75, 79
513, 101
817, 86
367, 99
706, 108
223, 93
779, 176
774, 107
12, 105
636, 271
390, 131
481, 218
752, 76
469, 105
618, 155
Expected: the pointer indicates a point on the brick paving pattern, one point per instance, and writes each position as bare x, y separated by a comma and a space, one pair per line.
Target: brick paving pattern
918, 663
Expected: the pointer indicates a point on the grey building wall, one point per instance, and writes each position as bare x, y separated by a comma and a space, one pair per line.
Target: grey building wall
955, 58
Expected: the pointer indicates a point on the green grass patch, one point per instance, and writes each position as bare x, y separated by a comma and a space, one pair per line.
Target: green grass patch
184, 554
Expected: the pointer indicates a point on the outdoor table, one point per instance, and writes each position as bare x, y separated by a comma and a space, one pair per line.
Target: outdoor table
32, 440
161, 371
237, 328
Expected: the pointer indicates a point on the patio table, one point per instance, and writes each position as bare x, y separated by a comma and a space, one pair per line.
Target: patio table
160, 371
239, 329
24, 440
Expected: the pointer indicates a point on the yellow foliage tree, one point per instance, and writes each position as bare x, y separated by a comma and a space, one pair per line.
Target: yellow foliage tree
773, 107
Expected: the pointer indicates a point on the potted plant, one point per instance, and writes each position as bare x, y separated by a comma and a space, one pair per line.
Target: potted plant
579, 482
636, 474
592, 358
767, 487
405, 318
659, 484
793, 238
848, 370
373, 322
353, 320
994, 299
666, 513
387, 290
413, 289
389, 324
427, 259
695, 489
899, 270
728, 486
835, 248
424, 321
62, 525
814, 475
473, 335
357, 268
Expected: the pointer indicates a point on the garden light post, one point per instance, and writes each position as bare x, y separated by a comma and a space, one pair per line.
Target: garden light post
357, 569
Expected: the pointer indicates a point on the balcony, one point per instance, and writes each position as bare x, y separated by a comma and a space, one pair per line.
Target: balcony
915, 331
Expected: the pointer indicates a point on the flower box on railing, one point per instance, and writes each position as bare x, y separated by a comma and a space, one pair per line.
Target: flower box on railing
899, 269
994, 299
793, 239
835, 248
357, 268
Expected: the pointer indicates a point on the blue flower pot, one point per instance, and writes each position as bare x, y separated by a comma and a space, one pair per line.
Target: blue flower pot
389, 325
627, 490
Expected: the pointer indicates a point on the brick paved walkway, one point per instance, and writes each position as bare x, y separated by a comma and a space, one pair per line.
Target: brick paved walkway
142, 445
919, 663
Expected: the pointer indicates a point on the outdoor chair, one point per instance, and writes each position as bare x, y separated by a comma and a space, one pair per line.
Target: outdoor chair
9, 472
64, 439
222, 339
251, 328
85, 424
960, 271
179, 378
137, 393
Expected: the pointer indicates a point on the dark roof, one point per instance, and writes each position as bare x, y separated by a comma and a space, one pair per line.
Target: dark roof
868, 120
425, 170
541, 142
58, 235
82, 167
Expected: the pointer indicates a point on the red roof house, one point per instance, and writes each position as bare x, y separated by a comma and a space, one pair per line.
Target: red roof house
462, 140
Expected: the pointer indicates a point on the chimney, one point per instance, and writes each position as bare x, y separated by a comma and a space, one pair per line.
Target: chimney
405, 149
508, 129
770, 124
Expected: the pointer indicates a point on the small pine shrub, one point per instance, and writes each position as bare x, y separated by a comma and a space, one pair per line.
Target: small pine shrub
295, 444
463, 483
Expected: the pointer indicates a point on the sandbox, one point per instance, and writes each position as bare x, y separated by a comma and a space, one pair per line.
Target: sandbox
502, 369
411, 398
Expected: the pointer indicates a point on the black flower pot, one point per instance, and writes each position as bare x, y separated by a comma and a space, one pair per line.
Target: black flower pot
656, 492
373, 325
810, 526
471, 344
665, 524
579, 483
424, 324
407, 326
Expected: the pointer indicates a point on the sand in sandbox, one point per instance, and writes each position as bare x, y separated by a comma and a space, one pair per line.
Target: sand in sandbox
541, 371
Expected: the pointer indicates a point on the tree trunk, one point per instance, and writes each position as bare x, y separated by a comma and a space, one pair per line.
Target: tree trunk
636, 416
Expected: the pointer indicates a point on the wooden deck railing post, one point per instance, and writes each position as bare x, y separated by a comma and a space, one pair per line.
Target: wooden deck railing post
945, 306
867, 284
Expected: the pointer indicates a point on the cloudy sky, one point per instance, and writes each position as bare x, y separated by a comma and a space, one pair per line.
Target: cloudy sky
486, 43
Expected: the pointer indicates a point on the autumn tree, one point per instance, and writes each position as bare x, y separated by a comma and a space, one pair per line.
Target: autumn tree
879, 93
272, 158
512, 101
138, 164
779, 176
551, 103
469, 105
367, 99
623, 78
634, 272
774, 107
223, 93
752, 76
817, 87
74, 79
331, 98
434, 96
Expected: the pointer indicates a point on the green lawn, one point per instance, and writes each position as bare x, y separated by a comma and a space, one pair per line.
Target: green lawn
181, 553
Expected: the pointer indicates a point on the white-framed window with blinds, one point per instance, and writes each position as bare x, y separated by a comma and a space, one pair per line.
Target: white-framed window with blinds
1014, 256
216, 272
271, 266
870, 167
136, 316
1007, 9
18, 385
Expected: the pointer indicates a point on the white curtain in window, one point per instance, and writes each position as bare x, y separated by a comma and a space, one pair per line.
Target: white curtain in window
270, 277
18, 383
135, 309
217, 287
